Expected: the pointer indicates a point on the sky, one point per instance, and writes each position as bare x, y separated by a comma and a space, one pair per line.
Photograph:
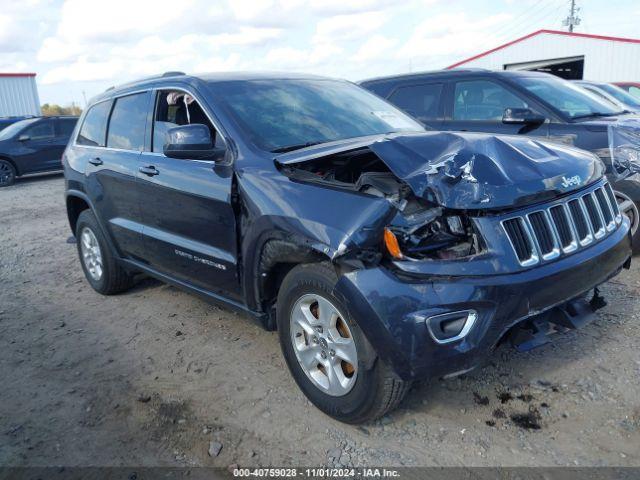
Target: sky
78, 48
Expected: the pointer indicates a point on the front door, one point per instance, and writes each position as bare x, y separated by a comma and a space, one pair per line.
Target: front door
478, 106
38, 150
189, 223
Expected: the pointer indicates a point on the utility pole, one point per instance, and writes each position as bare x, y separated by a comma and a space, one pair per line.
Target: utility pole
572, 20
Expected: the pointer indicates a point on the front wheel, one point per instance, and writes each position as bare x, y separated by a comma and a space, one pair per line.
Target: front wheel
7, 173
327, 353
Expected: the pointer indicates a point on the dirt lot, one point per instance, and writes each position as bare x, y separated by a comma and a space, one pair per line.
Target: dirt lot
153, 376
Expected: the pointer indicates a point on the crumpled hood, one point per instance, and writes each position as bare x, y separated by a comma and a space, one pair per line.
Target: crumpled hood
473, 171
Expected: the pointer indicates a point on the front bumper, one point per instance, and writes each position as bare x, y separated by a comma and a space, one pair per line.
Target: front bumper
391, 311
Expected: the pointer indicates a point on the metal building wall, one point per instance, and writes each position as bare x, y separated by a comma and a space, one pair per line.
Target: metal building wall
604, 59
18, 95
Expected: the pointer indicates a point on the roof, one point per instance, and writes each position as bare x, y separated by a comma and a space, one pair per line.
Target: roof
540, 32
17, 74
450, 73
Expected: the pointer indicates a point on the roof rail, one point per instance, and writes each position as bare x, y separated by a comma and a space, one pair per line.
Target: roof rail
172, 74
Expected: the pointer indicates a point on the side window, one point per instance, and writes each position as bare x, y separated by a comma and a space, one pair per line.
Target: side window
94, 127
40, 131
128, 122
174, 108
483, 100
419, 101
66, 126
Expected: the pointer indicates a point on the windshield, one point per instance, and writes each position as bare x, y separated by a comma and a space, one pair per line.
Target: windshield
570, 99
284, 115
620, 95
14, 128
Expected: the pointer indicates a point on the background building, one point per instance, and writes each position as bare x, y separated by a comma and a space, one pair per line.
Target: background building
566, 54
18, 94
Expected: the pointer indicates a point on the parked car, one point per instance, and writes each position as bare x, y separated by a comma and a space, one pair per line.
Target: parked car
382, 253
6, 121
632, 87
613, 94
33, 145
535, 104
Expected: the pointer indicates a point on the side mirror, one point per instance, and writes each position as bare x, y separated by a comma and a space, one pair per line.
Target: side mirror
523, 116
191, 142
24, 138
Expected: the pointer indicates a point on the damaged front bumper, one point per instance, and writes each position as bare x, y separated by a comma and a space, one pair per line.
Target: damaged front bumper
392, 308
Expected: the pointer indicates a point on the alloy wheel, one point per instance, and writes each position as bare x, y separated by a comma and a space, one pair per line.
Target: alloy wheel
91, 254
6, 174
324, 345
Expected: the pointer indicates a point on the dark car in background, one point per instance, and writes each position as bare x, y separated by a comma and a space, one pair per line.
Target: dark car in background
382, 253
33, 145
536, 104
613, 94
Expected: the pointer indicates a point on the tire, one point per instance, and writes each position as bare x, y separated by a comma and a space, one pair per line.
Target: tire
359, 393
100, 266
7, 173
628, 196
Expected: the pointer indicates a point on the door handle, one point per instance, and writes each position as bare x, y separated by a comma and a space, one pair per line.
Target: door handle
95, 161
149, 170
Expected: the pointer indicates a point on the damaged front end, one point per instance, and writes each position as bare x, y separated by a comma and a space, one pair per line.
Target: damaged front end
480, 233
438, 183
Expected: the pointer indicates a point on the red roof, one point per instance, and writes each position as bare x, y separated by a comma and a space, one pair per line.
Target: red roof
554, 32
17, 74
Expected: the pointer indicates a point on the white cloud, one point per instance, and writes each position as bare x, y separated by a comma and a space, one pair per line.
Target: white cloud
451, 34
84, 71
376, 47
348, 27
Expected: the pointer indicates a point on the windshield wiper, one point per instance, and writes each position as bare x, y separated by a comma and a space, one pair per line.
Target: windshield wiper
291, 148
597, 114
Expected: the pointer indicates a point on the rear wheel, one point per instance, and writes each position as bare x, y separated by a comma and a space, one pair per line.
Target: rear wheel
7, 173
101, 268
327, 353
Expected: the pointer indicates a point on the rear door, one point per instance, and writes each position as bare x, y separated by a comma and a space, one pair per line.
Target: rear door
190, 229
423, 101
478, 104
112, 137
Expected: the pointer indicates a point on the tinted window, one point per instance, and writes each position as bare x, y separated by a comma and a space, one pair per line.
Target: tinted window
14, 128
128, 122
419, 101
567, 97
40, 131
621, 95
94, 128
66, 126
634, 91
286, 114
483, 100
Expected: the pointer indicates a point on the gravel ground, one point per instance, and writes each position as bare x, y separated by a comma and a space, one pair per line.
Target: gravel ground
156, 377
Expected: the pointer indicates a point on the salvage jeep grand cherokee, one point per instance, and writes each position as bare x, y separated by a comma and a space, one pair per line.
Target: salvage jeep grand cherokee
380, 252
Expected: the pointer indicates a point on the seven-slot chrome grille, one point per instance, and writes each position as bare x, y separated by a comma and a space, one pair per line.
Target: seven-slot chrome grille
563, 227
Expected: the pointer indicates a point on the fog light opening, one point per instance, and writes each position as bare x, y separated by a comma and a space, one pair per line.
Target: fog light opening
452, 326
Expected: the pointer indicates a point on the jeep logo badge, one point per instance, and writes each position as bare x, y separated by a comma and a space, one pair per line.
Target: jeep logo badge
567, 182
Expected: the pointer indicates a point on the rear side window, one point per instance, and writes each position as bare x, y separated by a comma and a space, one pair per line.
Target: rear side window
66, 126
419, 101
128, 122
483, 100
94, 127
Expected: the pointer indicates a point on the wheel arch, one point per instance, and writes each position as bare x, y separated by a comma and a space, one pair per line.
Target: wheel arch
277, 257
13, 164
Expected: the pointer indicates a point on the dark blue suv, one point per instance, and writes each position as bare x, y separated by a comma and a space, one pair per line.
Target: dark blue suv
33, 145
380, 252
535, 104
